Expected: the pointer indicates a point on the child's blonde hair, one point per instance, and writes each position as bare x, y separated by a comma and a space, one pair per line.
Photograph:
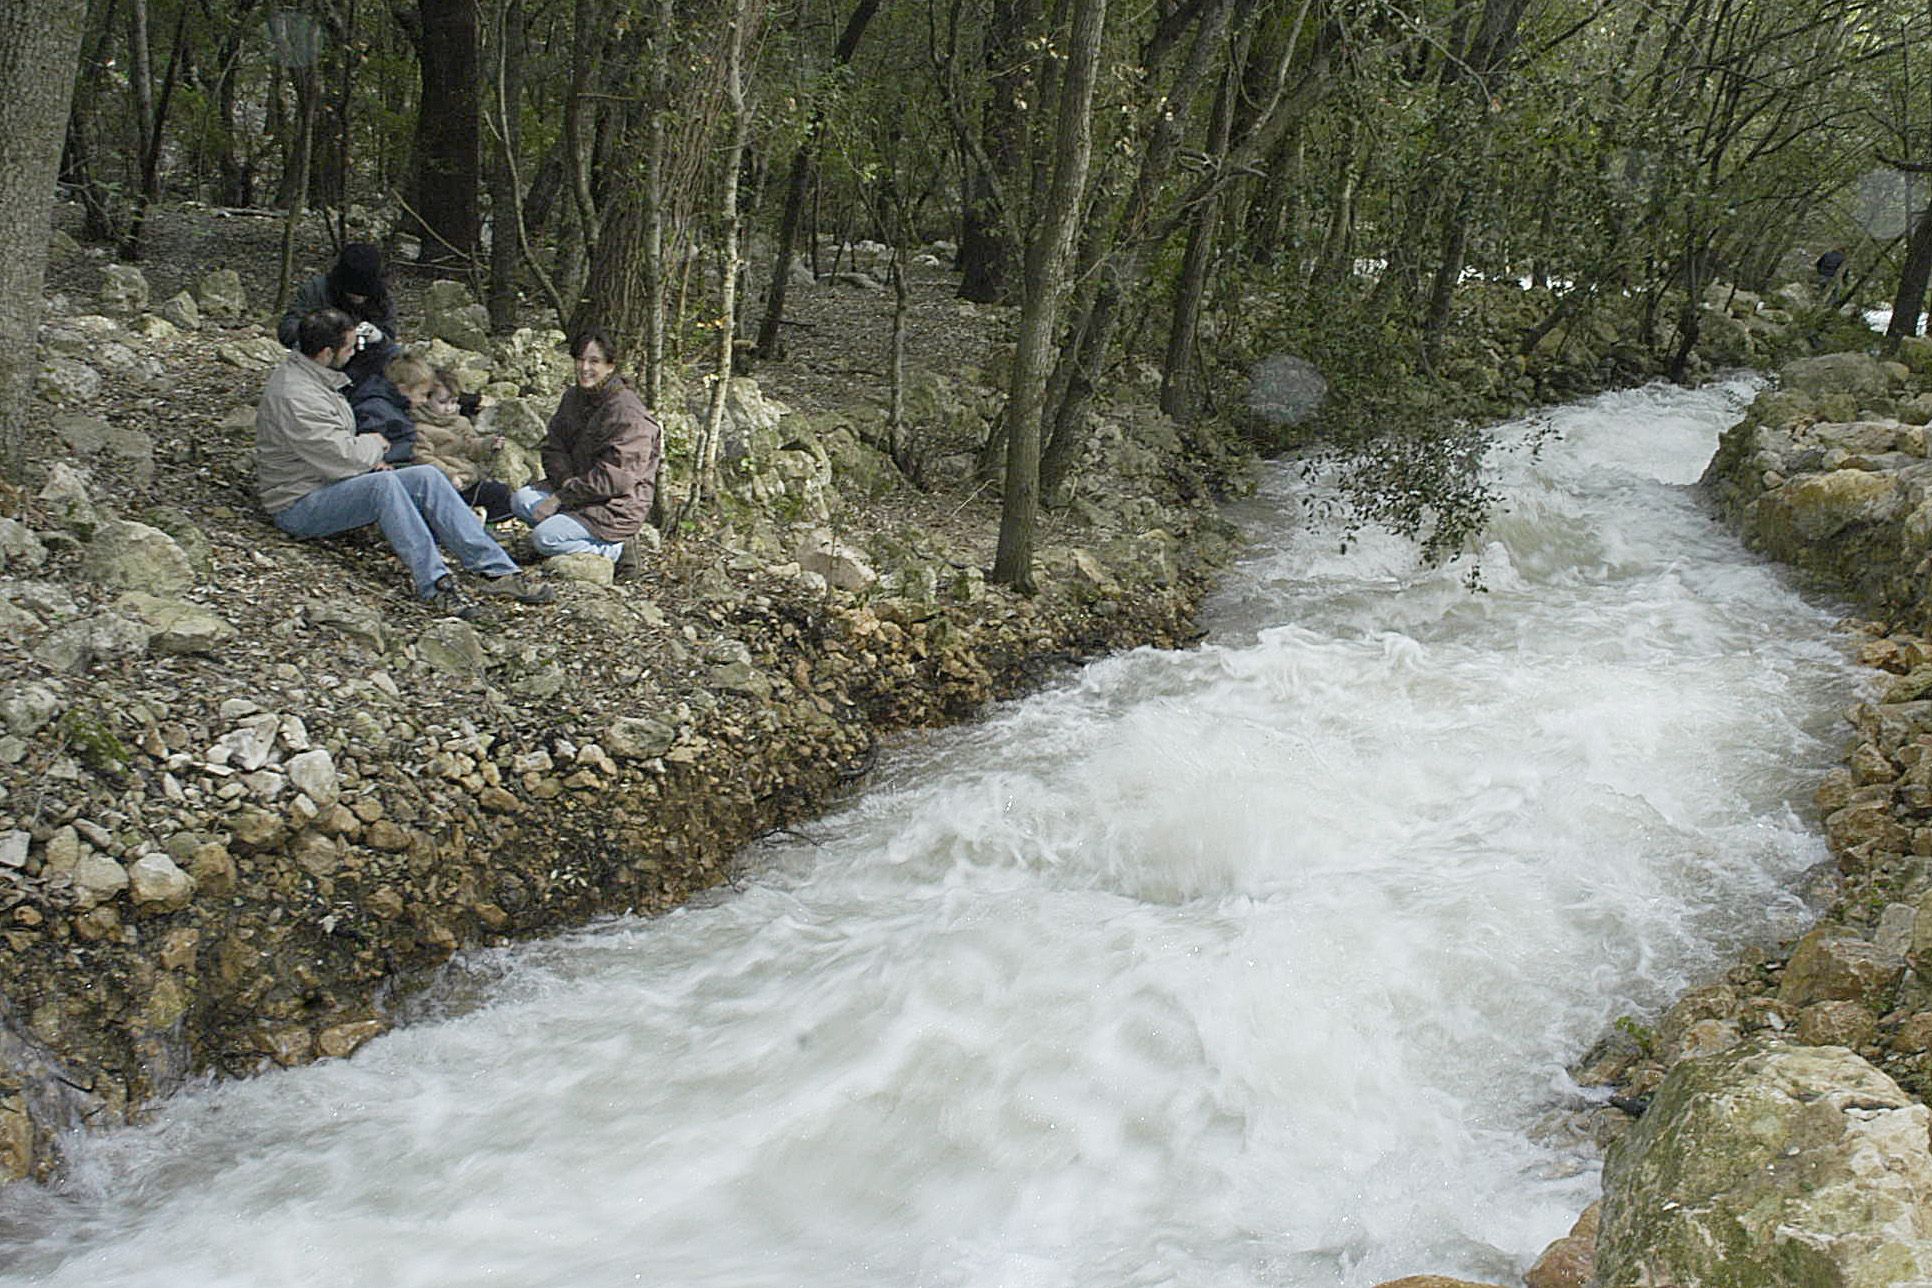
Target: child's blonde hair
447, 379
408, 371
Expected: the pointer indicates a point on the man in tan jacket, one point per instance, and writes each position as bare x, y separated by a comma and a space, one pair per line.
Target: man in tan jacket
317, 477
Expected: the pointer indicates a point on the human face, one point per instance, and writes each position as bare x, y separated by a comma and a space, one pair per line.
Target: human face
442, 400
418, 394
345, 349
593, 366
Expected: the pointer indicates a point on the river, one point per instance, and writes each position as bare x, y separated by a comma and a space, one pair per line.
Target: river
1255, 964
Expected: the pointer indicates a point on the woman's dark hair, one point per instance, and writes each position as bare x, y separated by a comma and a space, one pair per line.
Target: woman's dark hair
323, 329
597, 336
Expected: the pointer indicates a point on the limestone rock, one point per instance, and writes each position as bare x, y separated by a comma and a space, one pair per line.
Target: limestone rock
66, 501
449, 313
124, 290
454, 646
19, 547
359, 622
107, 637
313, 773
518, 419
179, 626
13, 848
125, 555
1432, 1281
28, 707
94, 439
1831, 965
158, 885
1571, 1260
182, 310
592, 569
1861, 376
221, 297
638, 737
1770, 1165
1844, 1024
154, 329
67, 382
256, 353
842, 566
98, 879
341, 1040
1814, 507
194, 543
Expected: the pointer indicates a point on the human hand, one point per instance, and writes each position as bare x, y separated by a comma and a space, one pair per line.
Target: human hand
380, 466
368, 333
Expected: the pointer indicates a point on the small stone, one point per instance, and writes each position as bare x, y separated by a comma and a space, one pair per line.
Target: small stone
257, 829
66, 500
313, 773
341, 1040
590, 569
13, 848
628, 738
67, 382
124, 290
98, 879
158, 885
182, 311
452, 646
179, 627
19, 547
499, 801
288, 1047
79, 645
28, 708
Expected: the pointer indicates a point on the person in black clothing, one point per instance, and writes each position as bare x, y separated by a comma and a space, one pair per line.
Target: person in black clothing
1830, 265
358, 287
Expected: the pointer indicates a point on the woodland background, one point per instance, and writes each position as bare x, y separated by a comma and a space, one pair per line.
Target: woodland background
1189, 185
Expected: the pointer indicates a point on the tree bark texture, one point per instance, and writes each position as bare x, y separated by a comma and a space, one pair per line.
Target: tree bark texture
506, 250
1046, 264
1915, 275
39, 50
448, 172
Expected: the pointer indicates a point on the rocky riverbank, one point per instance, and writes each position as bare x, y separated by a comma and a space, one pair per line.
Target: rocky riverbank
251, 794
1783, 1133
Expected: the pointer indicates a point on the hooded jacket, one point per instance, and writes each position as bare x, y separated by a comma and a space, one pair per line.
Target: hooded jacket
305, 434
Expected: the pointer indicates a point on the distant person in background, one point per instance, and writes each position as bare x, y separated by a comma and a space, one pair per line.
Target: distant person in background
317, 476
1831, 267
600, 460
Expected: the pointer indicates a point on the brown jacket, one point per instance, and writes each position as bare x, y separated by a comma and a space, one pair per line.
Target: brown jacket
600, 458
452, 445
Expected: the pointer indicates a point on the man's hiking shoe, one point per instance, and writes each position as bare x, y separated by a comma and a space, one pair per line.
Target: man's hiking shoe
448, 600
630, 563
516, 586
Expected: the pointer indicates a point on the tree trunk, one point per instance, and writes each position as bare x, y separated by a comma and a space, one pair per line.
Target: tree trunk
306, 93
152, 134
583, 68
1046, 263
39, 51
1177, 395
1915, 275
506, 202
448, 165
77, 161
984, 252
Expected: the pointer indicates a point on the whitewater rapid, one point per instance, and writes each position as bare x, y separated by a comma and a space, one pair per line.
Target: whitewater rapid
1254, 964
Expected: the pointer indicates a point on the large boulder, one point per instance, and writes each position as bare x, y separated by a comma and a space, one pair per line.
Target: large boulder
1860, 375
521, 420
221, 297
67, 382
1770, 1165
178, 626
20, 548
124, 290
91, 438
1813, 507
125, 555
449, 313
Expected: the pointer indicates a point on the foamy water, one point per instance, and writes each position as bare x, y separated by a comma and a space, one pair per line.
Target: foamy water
1247, 965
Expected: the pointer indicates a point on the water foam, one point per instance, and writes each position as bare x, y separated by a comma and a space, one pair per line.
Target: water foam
1247, 965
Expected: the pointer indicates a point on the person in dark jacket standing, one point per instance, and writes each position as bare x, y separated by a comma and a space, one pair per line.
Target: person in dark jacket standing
600, 460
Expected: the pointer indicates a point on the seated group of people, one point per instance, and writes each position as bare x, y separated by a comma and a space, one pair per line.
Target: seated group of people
352, 431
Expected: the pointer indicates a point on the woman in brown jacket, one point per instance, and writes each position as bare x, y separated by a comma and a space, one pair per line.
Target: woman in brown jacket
599, 461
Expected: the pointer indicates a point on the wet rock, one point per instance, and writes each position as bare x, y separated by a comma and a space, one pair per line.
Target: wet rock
341, 1040
19, 547
1816, 507
1571, 1260
124, 290
452, 646
158, 885
179, 626
125, 555
79, 645
221, 297
1771, 1164
1829, 964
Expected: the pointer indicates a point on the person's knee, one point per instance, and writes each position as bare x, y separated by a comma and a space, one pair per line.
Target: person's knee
421, 480
547, 541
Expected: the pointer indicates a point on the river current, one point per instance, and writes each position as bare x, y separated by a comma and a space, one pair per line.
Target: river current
1255, 964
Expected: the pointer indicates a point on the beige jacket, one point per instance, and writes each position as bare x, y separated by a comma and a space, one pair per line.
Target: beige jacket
452, 445
305, 434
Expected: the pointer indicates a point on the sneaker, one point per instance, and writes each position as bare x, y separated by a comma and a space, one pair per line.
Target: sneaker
630, 562
448, 600
514, 585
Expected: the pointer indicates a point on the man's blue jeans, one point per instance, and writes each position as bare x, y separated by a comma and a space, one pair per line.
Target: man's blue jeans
560, 534
417, 508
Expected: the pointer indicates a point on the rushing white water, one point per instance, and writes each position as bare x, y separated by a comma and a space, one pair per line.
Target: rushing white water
1246, 965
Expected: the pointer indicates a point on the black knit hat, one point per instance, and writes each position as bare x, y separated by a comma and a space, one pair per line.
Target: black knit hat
358, 271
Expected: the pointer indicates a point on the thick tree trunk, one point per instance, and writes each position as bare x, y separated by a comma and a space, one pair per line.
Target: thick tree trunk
984, 252
1915, 275
505, 201
448, 162
39, 50
1177, 392
1046, 263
